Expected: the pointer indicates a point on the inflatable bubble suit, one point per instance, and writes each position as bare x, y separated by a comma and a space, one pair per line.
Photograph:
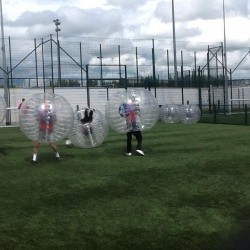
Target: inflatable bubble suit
138, 105
169, 113
189, 114
41, 110
90, 128
2, 109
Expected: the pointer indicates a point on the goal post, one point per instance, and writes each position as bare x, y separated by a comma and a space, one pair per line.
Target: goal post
106, 75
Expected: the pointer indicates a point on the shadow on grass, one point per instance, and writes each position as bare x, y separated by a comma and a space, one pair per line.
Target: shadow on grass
240, 238
236, 240
49, 158
3, 151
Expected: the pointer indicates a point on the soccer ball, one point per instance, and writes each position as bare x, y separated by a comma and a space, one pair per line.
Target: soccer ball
68, 143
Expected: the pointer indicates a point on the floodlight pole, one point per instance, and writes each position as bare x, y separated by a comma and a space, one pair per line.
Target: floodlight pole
6, 95
174, 45
225, 62
57, 23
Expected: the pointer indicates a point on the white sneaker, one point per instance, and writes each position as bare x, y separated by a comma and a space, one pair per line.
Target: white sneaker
129, 154
140, 152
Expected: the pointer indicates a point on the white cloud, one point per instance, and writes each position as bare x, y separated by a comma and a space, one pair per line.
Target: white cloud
129, 18
128, 4
198, 22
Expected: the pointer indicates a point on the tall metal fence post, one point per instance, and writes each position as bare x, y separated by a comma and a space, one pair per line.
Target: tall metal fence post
168, 66
120, 70
52, 66
107, 92
10, 70
208, 80
5, 71
215, 115
36, 63
100, 57
153, 62
44, 84
59, 63
137, 69
126, 79
81, 64
182, 80
231, 88
87, 84
199, 84
246, 120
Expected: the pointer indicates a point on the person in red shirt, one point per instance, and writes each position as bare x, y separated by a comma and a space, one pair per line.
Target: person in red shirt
46, 118
21, 103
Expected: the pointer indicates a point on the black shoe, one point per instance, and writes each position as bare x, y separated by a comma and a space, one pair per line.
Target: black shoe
58, 158
34, 162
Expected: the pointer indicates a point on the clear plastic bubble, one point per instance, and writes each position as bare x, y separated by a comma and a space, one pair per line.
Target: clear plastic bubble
132, 109
2, 109
46, 117
90, 128
189, 114
169, 113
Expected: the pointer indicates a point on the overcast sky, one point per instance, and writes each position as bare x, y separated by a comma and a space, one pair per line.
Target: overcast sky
195, 20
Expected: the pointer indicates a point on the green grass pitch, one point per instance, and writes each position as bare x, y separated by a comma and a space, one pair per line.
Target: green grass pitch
190, 191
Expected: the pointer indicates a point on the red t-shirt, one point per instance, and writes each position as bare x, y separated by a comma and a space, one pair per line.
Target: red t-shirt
46, 120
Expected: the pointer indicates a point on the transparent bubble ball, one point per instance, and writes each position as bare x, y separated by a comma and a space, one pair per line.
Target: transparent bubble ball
169, 113
139, 104
189, 114
90, 128
2, 109
35, 124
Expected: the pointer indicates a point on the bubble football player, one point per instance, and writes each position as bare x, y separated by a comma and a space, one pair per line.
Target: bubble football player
46, 118
131, 112
86, 120
85, 117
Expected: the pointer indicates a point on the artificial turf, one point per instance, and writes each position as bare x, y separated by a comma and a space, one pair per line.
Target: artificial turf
190, 191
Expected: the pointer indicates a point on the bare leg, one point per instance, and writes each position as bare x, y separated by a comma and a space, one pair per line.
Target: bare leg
36, 147
54, 148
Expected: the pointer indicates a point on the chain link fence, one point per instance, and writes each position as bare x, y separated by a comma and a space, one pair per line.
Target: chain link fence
75, 62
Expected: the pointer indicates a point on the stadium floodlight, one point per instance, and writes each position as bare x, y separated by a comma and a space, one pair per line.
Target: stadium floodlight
57, 23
